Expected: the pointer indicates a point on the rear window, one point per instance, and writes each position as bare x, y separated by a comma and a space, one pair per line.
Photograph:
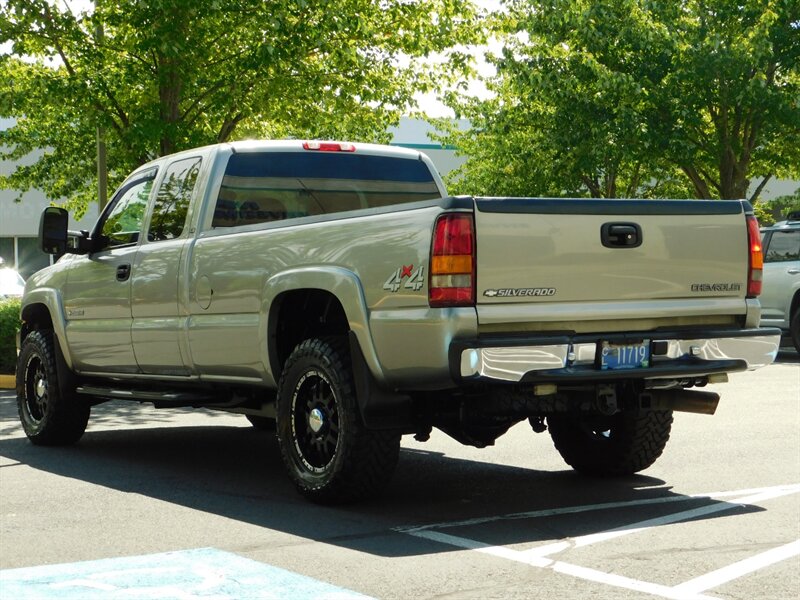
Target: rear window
260, 187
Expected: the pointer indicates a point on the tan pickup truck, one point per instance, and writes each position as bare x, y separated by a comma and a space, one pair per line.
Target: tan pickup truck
334, 291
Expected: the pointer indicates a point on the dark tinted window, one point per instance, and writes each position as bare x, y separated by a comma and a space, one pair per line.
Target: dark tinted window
259, 187
784, 246
172, 200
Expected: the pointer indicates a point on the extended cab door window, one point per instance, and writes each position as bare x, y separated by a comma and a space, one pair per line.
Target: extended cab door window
172, 200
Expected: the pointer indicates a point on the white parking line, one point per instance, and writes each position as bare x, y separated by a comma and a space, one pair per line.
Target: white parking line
499, 551
569, 510
562, 567
626, 583
739, 569
690, 590
686, 515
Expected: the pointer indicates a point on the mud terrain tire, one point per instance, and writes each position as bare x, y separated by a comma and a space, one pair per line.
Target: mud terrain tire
51, 413
329, 454
622, 444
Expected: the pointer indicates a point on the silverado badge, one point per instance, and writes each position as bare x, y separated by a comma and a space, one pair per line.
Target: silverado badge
516, 292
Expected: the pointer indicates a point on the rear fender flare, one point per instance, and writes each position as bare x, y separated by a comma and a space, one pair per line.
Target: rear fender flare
344, 285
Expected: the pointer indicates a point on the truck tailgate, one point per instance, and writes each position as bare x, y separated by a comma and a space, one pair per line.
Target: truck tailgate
535, 251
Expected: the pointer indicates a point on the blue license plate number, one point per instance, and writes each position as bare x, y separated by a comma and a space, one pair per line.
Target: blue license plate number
624, 356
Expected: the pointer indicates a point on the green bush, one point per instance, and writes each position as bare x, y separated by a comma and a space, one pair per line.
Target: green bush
9, 324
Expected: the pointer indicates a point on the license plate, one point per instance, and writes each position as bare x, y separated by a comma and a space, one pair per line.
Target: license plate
624, 356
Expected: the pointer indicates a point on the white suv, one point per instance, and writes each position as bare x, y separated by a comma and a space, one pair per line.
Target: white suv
780, 297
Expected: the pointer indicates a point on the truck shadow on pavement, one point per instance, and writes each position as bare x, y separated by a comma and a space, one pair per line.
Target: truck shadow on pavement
236, 472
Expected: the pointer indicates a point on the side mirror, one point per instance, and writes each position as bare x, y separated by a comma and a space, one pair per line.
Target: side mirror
53, 230
78, 242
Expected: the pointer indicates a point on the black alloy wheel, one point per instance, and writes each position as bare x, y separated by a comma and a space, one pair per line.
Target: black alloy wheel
315, 421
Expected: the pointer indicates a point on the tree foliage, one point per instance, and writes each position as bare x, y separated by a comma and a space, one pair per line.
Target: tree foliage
778, 209
158, 76
620, 98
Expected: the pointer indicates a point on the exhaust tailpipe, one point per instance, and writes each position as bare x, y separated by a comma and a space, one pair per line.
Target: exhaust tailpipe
692, 401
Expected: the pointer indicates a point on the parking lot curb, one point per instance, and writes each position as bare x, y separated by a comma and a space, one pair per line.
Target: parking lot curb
7, 382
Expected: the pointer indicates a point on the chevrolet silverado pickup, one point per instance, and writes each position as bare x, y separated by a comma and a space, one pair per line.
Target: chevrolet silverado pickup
335, 292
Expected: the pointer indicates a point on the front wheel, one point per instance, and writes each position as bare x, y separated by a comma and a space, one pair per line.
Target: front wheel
622, 444
329, 454
49, 410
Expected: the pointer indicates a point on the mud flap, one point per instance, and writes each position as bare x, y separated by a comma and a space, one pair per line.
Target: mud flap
380, 409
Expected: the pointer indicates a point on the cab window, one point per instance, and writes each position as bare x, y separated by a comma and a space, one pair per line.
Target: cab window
172, 200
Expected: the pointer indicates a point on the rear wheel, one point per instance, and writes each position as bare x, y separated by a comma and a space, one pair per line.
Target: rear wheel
794, 329
49, 410
329, 454
621, 444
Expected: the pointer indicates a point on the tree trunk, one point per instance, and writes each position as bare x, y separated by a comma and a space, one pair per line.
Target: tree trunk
169, 94
226, 130
701, 188
593, 186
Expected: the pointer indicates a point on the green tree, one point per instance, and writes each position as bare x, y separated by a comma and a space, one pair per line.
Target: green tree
778, 209
158, 76
637, 97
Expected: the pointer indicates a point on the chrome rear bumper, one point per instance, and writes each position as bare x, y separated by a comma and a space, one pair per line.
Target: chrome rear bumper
677, 354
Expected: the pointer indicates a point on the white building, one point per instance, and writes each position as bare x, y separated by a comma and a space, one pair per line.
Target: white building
416, 134
19, 222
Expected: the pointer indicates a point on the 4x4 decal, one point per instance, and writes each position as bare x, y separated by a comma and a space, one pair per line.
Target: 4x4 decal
415, 281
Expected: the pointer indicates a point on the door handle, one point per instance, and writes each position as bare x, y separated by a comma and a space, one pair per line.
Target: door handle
123, 272
793, 271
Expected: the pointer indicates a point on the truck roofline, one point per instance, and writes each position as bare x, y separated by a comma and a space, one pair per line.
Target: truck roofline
288, 146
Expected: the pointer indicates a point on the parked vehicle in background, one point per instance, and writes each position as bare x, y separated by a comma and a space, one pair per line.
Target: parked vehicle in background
11, 283
780, 296
335, 289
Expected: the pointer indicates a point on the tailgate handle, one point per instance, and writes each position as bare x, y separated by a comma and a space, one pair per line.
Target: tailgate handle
621, 235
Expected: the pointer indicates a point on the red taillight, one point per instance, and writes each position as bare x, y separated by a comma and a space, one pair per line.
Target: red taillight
756, 258
329, 146
452, 270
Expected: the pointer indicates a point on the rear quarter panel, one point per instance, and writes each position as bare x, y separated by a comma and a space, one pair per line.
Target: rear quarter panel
386, 253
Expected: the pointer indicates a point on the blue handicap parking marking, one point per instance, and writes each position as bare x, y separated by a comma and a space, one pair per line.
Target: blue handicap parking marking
205, 573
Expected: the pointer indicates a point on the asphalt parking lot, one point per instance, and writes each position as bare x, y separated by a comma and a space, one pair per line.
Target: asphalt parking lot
182, 504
